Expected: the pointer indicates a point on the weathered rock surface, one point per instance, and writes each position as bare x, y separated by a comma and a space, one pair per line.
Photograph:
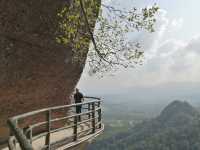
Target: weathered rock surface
35, 71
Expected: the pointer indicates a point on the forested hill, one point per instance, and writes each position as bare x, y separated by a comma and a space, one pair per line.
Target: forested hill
176, 128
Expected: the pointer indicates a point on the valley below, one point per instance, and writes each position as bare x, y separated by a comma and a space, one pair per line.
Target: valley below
143, 125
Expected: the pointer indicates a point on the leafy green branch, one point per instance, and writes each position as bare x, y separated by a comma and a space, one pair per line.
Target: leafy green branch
112, 47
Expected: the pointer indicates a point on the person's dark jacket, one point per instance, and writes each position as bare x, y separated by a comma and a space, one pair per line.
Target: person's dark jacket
78, 97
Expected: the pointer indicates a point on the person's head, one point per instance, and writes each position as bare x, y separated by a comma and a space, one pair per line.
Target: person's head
77, 90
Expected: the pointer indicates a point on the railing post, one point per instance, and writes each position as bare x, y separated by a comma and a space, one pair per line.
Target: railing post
99, 114
11, 141
93, 118
47, 140
30, 135
75, 127
22, 139
89, 115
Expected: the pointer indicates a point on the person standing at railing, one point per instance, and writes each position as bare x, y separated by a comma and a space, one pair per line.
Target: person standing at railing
78, 97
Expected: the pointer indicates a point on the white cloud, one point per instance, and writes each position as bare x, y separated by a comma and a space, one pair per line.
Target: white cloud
177, 23
168, 59
175, 61
151, 41
107, 1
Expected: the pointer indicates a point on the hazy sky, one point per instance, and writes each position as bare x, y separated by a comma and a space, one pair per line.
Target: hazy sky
172, 53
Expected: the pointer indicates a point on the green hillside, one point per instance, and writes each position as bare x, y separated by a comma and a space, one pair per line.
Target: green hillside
176, 128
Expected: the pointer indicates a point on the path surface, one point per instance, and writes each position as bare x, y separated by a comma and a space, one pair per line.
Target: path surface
64, 137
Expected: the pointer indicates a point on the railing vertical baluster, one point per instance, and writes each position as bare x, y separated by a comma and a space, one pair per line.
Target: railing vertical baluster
47, 140
31, 135
89, 115
99, 114
75, 127
93, 118
9, 145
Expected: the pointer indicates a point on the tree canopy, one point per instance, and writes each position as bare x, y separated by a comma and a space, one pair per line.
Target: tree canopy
111, 46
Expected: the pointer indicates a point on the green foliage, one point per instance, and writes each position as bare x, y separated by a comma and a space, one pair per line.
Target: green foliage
111, 47
73, 31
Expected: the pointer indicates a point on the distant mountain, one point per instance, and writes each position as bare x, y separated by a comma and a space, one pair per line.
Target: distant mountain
177, 112
176, 128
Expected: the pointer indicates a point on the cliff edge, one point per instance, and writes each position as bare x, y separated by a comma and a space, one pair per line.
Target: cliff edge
35, 70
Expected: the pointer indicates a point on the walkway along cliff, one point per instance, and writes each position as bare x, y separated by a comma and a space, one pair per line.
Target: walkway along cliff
73, 134
38, 68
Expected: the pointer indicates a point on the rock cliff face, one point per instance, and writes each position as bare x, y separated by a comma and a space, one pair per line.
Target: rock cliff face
35, 71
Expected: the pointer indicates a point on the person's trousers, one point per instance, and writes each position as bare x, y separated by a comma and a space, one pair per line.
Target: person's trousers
78, 111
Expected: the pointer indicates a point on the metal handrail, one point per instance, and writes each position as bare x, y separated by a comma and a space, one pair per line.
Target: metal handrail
93, 114
54, 108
